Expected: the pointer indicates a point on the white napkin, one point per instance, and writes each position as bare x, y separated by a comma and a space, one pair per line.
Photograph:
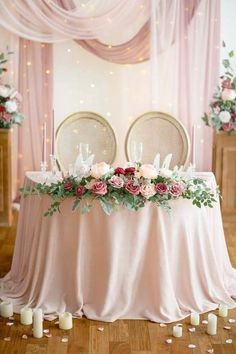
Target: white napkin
165, 164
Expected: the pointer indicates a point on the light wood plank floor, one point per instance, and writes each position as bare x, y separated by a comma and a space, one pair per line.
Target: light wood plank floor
121, 337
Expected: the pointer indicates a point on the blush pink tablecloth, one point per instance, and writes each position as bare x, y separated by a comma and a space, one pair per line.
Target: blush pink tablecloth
137, 265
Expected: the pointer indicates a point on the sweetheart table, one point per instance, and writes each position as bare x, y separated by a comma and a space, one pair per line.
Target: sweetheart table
148, 264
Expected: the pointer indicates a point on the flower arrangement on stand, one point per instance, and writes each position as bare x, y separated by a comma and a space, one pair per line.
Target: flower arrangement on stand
131, 187
222, 115
9, 101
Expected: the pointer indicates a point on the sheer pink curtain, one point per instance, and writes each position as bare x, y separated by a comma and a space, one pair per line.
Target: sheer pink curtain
36, 87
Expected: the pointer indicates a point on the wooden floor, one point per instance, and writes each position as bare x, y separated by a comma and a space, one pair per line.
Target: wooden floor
120, 337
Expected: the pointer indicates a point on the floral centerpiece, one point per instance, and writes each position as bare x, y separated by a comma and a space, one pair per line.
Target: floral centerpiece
222, 115
9, 102
131, 187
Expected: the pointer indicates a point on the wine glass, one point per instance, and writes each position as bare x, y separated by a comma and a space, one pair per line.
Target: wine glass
84, 151
136, 151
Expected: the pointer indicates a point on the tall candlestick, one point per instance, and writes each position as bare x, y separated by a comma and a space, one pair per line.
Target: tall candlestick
38, 323
44, 154
6, 309
194, 319
177, 331
53, 134
65, 320
26, 316
212, 324
193, 145
223, 310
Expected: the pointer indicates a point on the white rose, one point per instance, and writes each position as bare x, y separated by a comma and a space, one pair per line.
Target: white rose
11, 106
228, 94
225, 116
99, 169
4, 91
147, 190
148, 171
164, 172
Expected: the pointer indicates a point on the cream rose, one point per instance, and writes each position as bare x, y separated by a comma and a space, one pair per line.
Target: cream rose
11, 106
164, 172
148, 171
225, 116
4, 91
228, 94
99, 169
147, 190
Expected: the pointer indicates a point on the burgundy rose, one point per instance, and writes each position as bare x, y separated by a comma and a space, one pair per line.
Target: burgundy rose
129, 170
131, 188
176, 189
161, 188
99, 188
226, 84
79, 191
227, 127
68, 186
2, 108
119, 171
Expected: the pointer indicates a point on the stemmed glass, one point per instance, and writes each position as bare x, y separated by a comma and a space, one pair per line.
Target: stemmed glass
136, 152
84, 151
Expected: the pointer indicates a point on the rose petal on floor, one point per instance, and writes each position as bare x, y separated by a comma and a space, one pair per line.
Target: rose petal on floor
168, 340
64, 339
46, 331
211, 351
227, 327
101, 329
191, 346
192, 329
162, 325
10, 323
24, 336
231, 320
48, 335
11, 318
7, 339
57, 322
229, 341
204, 322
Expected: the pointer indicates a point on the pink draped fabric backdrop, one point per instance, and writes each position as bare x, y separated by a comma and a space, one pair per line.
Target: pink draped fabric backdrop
185, 57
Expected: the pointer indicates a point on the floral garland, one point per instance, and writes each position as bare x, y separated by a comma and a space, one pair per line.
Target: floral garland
222, 115
9, 102
131, 187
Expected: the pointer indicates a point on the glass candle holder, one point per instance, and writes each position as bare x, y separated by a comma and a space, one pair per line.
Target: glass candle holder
53, 162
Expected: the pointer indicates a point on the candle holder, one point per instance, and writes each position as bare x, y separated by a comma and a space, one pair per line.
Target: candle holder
43, 166
53, 161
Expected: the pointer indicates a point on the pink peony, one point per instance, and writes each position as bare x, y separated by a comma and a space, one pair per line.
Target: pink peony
99, 188
116, 182
161, 188
227, 127
131, 188
148, 190
119, 171
176, 189
79, 191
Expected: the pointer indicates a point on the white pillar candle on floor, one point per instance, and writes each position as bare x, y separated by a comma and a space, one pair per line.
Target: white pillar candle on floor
65, 320
38, 323
223, 310
6, 309
194, 319
177, 331
26, 316
212, 324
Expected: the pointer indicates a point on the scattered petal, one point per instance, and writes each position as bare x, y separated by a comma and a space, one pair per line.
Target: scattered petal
204, 322
7, 339
46, 331
10, 323
57, 322
48, 335
101, 329
192, 329
24, 336
229, 341
168, 340
11, 318
64, 339
232, 320
191, 346
227, 327
211, 351
163, 325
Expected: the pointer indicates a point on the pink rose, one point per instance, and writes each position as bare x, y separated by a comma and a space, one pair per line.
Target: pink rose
99, 188
116, 182
6, 116
228, 94
119, 171
176, 189
129, 170
226, 84
227, 127
68, 186
148, 190
79, 191
131, 188
161, 188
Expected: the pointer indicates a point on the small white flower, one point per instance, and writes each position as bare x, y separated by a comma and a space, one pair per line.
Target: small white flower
11, 106
99, 169
225, 116
4, 91
148, 171
164, 172
228, 94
